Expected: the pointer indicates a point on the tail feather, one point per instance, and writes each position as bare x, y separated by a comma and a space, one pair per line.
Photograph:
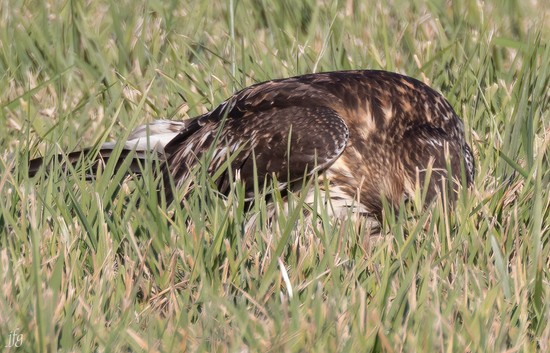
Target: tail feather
142, 142
139, 158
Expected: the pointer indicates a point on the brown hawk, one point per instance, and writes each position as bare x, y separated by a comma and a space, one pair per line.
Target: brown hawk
367, 134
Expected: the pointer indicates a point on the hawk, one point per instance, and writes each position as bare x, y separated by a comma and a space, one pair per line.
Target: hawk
369, 135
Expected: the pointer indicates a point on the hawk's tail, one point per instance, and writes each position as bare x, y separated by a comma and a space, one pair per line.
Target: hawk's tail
145, 143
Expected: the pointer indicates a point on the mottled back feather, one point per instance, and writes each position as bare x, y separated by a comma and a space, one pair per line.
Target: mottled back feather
372, 134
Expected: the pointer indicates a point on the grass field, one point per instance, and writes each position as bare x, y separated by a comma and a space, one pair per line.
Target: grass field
85, 267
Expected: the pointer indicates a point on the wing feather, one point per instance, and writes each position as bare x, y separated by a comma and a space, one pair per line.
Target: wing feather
287, 143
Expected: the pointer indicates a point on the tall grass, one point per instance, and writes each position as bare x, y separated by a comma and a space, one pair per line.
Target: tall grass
106, 266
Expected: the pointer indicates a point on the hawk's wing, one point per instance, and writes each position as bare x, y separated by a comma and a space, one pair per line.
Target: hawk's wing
285, 142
